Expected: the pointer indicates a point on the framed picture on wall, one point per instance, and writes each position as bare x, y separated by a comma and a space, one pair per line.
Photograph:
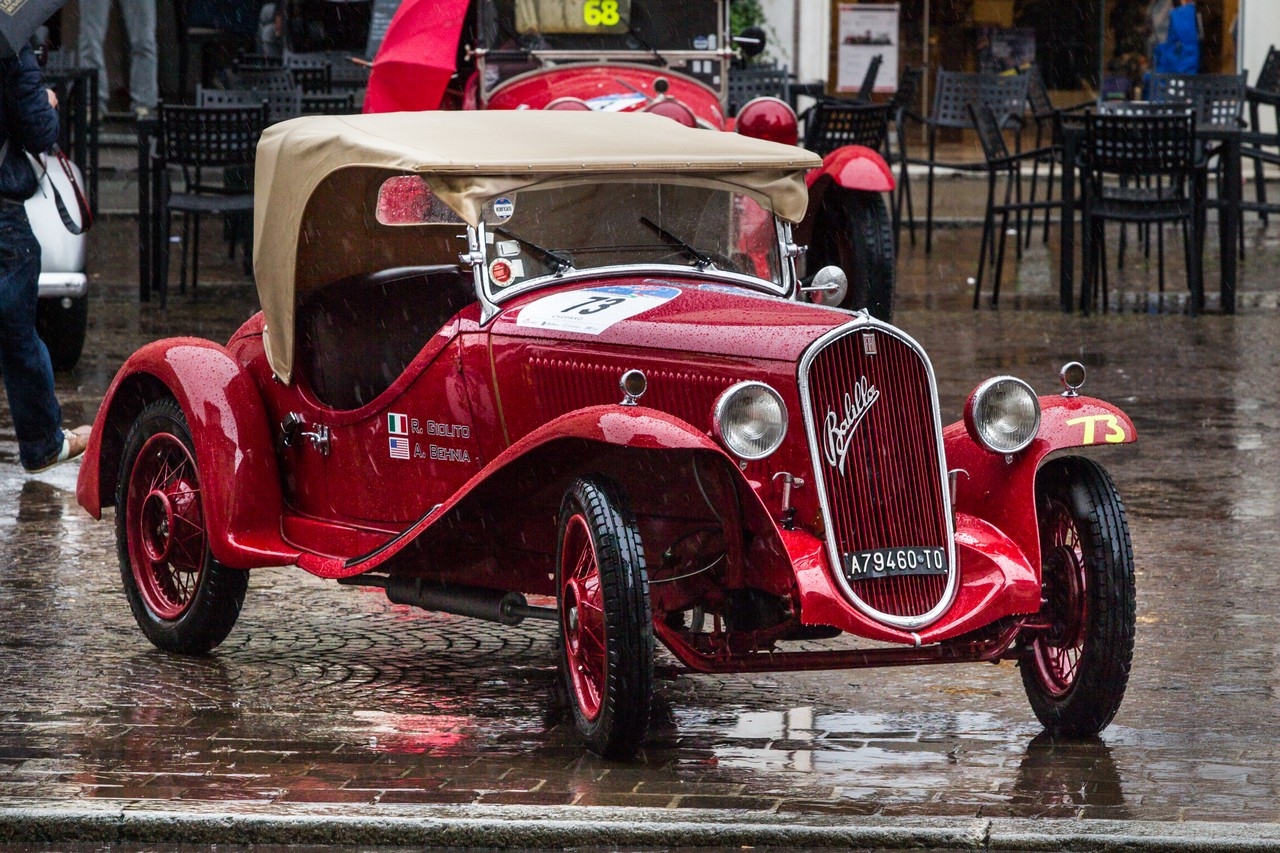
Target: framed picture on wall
862, 31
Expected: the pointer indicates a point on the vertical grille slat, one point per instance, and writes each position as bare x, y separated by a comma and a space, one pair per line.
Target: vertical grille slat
890, 494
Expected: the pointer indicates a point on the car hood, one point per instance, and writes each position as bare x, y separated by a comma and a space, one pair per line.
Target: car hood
672, 315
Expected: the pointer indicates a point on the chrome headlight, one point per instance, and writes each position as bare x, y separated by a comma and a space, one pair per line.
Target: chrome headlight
750, 420
1003, 414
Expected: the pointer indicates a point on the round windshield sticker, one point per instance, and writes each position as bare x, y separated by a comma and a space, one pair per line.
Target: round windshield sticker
500, 271
503, 208
700, 43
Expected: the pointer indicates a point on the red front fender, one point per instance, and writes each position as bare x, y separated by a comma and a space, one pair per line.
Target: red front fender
854, 167
239, 477
1002, 490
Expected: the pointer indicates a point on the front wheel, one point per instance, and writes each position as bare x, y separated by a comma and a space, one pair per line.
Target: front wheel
854, 232
1075, 673
605, 620
183, 600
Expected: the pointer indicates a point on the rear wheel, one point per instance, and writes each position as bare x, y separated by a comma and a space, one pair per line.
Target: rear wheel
182, 598
605, 620
1076, 672
61, 324
854, 232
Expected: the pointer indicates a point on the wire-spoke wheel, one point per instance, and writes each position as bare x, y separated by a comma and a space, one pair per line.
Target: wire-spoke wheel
1075, 671
183, 600
605, 619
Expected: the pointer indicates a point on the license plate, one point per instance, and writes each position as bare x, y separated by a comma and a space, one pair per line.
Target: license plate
894, 562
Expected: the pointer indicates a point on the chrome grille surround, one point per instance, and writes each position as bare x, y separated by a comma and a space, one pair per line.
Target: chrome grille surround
941, 499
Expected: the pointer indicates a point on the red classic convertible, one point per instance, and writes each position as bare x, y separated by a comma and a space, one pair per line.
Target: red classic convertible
566, 355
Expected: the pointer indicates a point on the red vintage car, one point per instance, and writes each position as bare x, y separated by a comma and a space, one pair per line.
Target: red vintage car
567, 356
668, 57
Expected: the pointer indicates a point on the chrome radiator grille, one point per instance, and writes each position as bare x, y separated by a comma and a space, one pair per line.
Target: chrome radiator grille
871, 417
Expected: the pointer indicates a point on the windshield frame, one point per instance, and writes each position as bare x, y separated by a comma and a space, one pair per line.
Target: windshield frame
481, 251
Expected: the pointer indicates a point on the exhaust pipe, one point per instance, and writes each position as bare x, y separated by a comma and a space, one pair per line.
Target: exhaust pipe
492, 605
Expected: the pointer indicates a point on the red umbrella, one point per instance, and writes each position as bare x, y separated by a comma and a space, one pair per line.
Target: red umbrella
416, 60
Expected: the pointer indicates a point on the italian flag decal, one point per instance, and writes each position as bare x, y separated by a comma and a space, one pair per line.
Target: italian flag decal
397, 424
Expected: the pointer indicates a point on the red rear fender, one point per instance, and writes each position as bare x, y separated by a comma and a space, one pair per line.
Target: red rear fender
233, 449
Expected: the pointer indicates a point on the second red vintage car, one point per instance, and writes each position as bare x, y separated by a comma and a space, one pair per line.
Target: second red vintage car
566, 355
666, 57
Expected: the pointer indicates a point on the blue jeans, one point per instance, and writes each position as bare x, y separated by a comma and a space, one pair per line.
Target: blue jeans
28, 373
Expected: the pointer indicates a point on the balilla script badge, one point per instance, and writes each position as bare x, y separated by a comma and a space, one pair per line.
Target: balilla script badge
839, 433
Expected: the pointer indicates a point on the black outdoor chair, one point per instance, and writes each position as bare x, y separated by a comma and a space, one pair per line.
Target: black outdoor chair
209, 145
1006, 95
1264, 150
868, 87
758, 81
329, 105
1001, 164
905, 98
1140, 169
281, 104
1048, 123
831, 123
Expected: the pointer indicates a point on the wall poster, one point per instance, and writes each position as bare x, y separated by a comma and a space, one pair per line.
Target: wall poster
862, 31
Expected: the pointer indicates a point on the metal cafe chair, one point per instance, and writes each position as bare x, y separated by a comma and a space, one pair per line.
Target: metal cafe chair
1120, 152
1048, 123
758, 81
329, 105
281, 103
207, 144
831, 123
1001, 164
956, 90
1265, 92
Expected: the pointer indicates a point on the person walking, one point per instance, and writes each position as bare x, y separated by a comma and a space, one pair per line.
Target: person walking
140, 22
28, 122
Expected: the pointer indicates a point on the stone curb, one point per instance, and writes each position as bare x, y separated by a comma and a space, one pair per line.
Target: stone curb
517, 827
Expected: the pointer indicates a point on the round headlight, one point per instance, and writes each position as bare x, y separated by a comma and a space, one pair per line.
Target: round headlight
1003, 414
750, 420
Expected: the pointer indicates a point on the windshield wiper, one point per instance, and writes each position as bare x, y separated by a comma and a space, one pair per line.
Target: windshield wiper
703, 259
558, 262
653, 51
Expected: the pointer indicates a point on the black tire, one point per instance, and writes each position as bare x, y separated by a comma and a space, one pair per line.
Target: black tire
1075, 674
606, 661
854, 232
62, 327
183, 600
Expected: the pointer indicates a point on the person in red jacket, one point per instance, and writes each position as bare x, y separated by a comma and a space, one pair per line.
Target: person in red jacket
28, 122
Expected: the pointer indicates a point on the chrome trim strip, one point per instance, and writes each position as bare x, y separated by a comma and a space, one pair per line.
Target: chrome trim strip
863, 322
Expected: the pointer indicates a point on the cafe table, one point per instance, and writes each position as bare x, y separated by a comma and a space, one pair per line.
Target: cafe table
1226, 142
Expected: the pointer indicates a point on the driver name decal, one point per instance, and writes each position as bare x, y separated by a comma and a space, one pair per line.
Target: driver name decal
838, 432
402, 429
592, 311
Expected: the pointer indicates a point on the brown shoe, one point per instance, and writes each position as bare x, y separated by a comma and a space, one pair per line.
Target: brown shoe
74, 442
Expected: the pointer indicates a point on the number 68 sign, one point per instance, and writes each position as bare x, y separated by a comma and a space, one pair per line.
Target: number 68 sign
573, 16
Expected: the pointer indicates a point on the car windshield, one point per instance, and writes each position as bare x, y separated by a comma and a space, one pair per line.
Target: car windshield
551, 230
645, 26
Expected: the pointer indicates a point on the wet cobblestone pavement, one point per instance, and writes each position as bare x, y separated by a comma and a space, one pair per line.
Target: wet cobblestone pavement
327, 700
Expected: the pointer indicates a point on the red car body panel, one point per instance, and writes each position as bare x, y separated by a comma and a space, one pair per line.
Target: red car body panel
616, 86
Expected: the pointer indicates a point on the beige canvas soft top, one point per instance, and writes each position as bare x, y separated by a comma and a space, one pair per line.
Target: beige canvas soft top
466, 158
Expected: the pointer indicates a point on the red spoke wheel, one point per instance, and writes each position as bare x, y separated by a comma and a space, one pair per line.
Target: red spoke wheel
1075, 672
605, 620
183, 600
